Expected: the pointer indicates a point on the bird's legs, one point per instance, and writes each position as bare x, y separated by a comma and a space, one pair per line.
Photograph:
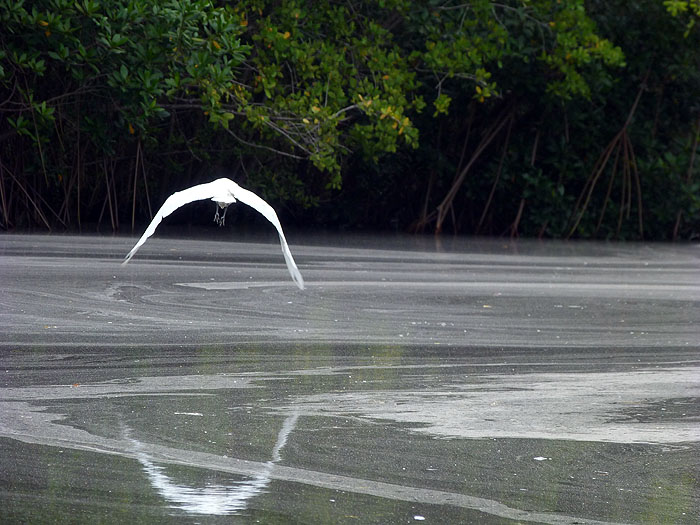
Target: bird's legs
219, 219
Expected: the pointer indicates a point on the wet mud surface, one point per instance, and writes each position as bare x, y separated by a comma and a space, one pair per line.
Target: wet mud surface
452, 382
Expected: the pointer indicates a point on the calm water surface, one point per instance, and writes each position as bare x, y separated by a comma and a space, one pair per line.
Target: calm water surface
451, 382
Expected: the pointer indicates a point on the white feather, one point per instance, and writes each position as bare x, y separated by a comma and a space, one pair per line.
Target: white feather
226, 192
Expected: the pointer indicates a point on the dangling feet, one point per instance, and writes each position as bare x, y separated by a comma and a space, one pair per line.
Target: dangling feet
219, 219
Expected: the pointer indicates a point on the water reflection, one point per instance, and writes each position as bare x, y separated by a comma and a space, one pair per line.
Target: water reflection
214, 499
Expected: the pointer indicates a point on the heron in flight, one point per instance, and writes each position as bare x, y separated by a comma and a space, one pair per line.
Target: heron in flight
223, 192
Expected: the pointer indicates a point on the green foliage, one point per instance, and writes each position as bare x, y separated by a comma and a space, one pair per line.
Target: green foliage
351, 89
104, 100
689, 9
576, 47
133, 58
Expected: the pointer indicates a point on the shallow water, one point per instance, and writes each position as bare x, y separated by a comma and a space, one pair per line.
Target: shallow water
464, 382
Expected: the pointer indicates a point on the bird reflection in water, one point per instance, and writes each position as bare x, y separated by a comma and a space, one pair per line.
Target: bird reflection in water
214, 499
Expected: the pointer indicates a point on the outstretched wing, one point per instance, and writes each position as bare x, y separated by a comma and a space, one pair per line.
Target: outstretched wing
172, 203
255, 202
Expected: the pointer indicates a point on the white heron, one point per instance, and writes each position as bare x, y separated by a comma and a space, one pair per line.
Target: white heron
223, 192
